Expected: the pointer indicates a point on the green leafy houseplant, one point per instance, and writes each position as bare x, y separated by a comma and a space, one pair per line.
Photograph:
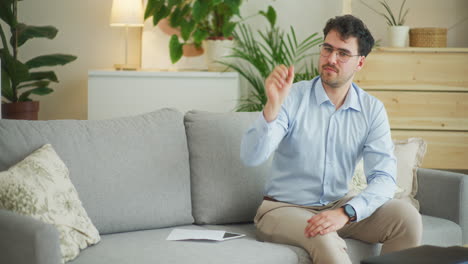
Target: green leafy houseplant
259, 58
18, 79
198, 20
389, 16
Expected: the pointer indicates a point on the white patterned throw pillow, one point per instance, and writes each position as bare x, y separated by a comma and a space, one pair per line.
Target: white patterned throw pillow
409, 154
39, 186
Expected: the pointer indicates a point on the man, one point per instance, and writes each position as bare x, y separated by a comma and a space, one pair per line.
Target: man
318, 131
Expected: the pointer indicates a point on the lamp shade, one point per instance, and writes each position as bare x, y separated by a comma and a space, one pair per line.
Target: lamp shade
127, 13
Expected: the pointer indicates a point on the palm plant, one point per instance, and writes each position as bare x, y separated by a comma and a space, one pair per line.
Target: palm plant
18, 81
259, 58
389, 16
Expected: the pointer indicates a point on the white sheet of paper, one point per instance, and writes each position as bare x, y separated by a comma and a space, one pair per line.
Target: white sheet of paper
193, 234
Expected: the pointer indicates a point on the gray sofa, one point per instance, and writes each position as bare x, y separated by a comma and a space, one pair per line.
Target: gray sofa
139, 177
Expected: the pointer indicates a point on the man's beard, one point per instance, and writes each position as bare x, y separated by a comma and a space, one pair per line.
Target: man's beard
336, 82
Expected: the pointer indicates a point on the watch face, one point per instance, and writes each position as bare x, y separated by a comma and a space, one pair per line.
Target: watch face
349, 210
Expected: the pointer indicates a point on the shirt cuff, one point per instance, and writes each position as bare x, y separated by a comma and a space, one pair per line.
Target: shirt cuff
262, 125
359, 206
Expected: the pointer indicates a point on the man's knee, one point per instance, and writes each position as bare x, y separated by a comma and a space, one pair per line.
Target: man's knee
405, 217
329, 248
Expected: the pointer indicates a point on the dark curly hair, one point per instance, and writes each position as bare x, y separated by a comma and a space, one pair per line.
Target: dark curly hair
351, 26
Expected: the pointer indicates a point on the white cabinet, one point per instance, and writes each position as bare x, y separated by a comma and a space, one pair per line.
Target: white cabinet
123, 93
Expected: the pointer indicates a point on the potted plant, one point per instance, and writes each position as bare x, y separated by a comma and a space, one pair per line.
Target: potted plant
397, 31
19, 81
197, 20
260, 54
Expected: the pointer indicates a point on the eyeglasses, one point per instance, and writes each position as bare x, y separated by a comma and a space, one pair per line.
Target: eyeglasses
341, 55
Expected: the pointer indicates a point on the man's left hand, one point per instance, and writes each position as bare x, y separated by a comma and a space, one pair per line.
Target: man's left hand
326, 222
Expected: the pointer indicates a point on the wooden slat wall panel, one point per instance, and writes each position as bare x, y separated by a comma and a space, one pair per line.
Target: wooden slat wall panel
425, 110
445, 150
415, 71
425, 92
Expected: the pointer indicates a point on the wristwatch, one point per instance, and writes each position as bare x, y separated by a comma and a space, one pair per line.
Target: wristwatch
350, 212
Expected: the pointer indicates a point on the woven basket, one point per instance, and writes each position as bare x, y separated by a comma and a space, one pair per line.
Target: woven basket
428, 37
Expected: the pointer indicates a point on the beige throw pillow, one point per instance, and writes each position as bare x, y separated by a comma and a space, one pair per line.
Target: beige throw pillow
409, 154
39, 186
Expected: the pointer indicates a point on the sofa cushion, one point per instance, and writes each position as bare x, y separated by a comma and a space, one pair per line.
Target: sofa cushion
39, 186
409, 154
223, 189
131, 173
440, 232
151, 246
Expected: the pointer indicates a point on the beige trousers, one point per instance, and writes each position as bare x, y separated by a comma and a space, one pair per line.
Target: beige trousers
396, 224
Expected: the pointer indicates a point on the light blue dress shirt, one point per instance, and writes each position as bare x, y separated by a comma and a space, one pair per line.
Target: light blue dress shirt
317, 147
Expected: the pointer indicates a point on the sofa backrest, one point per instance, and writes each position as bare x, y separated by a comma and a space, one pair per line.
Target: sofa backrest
131, 173
223, 189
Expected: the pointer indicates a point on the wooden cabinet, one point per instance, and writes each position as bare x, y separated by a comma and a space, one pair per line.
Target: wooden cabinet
123, 93
425, 92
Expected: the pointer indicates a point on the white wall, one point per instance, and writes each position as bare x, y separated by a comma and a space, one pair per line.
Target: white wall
85, 32
451, 14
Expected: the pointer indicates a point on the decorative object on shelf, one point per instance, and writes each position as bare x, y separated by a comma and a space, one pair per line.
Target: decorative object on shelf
218, 49
274, 48
397, 31
428, 37
126, 13
18, 81
198, 20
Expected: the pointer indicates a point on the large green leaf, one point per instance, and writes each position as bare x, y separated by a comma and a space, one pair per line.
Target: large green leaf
160, 13
41, 91
175, 49
17, 71
6, 12
26, 32
233, 6
45, 75
186, 28
200, 10
34, 84
199, 35
270, 15
176, 18
150, 8
7, 92
228, 28
38, 91
50, 60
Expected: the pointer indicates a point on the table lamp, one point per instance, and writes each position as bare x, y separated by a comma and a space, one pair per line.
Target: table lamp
126, 13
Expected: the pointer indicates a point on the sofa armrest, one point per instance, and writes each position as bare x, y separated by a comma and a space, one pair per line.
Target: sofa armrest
444, 194
25, 240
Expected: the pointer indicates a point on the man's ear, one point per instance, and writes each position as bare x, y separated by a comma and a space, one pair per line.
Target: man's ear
362, 60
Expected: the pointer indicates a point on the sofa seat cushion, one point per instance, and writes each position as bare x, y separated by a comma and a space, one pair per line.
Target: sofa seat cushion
440, 232
131, 173
151, 246
357, 250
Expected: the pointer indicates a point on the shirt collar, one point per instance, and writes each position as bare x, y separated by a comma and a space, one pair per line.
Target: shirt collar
351, 100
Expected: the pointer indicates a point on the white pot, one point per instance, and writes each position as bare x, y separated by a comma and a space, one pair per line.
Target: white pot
398, 36
217, 50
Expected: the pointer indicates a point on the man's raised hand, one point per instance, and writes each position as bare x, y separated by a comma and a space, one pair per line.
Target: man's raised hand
277, 86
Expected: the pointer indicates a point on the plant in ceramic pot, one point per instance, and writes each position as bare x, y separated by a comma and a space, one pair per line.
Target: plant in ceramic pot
197, 20
21, 80
260, 53
397, 31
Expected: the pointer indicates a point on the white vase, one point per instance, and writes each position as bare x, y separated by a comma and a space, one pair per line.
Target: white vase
398, 36
217, 50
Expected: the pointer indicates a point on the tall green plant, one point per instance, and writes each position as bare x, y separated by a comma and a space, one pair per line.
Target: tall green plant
18, 81
258, 57
389, 16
